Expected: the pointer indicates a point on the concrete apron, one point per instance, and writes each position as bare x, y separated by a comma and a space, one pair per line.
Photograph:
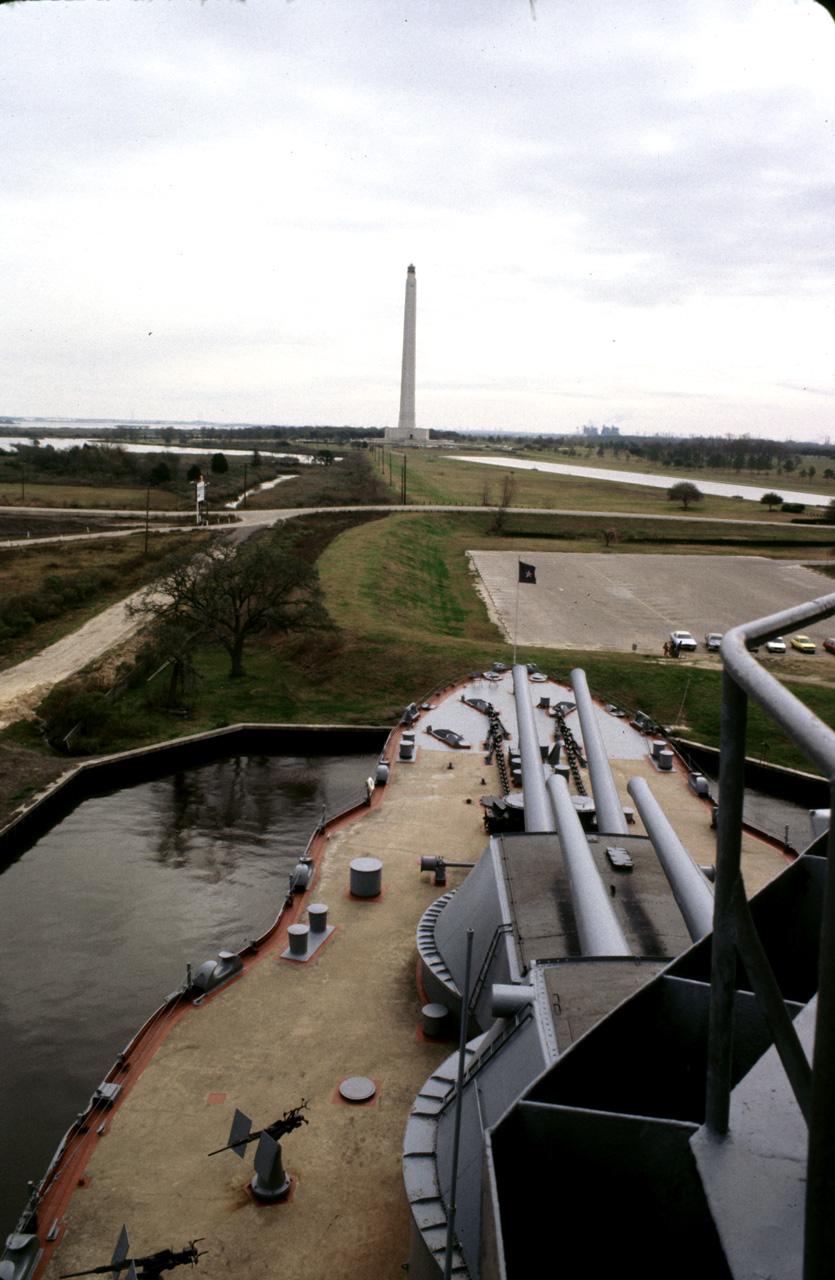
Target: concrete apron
283, 1032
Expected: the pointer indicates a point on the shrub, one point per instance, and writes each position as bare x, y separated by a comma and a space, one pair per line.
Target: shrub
684, 492
160, 474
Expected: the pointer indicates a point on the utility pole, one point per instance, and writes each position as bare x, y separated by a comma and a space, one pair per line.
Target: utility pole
147, 517
244, 486
403, 483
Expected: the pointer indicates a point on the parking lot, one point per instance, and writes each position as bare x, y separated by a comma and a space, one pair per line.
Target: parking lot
600, 601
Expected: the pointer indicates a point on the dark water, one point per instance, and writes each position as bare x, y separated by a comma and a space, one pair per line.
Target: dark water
99, 918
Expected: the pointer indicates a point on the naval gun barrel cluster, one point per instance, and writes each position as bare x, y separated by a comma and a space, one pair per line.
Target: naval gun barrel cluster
538, 815
598, 927
610, 816
691, 888
549, 807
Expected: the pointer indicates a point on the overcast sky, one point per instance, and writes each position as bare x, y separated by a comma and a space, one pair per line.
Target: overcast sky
620, 211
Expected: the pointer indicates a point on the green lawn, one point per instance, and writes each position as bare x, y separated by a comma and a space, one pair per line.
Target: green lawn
402, 595
434, 477
71, 582
588, 456
89, 496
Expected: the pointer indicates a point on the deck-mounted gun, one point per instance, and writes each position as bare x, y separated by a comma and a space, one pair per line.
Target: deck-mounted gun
241, 1132
148, 1268
270, 1182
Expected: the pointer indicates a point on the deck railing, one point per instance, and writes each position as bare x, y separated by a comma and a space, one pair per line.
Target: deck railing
734, 932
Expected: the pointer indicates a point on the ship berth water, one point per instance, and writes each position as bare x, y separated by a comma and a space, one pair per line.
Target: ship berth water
517, 830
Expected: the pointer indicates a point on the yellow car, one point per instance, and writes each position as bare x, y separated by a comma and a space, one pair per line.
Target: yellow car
803, 643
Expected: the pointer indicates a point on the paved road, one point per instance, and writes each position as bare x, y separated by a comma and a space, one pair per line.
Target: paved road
271, 516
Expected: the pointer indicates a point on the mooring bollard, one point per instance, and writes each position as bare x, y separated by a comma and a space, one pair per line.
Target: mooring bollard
433, 1017
317, 914
366, 877
298, 935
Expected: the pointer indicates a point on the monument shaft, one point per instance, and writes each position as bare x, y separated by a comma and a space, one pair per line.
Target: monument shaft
407, 375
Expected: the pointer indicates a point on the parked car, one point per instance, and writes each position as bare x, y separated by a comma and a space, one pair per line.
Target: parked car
682, 640
777, 645
803, 643
829, 644
713, 641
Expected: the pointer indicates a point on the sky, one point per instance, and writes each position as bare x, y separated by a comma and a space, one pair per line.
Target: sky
620, 212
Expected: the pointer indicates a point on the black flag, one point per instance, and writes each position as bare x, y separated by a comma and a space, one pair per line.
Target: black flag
527, 572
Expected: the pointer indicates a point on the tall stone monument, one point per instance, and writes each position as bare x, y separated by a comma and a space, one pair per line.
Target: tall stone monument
406, 432
407, 372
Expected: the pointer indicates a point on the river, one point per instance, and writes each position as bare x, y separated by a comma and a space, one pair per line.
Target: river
715, 488
102, 914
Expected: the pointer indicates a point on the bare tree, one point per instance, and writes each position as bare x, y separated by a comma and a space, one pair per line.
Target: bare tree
170, 648
232, 594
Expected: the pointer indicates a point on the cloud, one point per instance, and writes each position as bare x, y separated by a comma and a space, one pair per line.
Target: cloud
575, 191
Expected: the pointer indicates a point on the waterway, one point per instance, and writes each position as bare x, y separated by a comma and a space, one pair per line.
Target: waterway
62, 443
715, 488
102, 914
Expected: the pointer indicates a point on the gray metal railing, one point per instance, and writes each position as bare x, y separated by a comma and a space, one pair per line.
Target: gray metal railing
734, 932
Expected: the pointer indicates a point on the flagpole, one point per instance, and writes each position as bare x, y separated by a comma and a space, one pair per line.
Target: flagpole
516, 623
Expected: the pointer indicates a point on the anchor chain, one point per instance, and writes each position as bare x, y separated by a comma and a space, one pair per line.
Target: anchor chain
572, 751
495, 742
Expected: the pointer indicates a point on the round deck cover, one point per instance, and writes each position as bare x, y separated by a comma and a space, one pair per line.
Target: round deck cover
357, 1089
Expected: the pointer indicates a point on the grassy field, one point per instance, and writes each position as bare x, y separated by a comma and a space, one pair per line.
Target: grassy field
423, 557
433, 477
86, 486
89, 496
587, 455
530, 533
368, 679
101, 571
350, 482
402, 595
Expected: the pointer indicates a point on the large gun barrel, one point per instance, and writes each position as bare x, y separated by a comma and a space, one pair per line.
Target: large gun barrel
597, 924
691, 888
610, 817
538, 815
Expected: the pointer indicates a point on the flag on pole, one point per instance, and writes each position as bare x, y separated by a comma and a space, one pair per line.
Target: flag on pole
527, 572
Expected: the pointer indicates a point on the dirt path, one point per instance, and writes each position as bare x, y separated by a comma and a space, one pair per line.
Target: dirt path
22, 687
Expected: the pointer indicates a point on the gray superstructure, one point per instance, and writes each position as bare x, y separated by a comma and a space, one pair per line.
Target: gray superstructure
594, 1040
566, 922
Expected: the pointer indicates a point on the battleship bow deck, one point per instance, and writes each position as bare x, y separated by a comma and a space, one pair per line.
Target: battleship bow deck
282, 1032
285, 1031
